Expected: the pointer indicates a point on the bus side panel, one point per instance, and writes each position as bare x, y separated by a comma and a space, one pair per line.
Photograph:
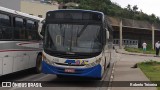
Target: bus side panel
1, 66
26, 61
20, 63
30, 56
32, 60
7, 65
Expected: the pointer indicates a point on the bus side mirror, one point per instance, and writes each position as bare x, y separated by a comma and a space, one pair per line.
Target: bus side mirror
41, 29
107, 34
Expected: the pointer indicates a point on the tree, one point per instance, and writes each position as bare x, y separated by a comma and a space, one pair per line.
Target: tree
129, 7
135, 8
113, 9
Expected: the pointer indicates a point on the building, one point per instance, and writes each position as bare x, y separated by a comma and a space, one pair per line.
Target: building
33, 7
11, 4
129, 32
37, 8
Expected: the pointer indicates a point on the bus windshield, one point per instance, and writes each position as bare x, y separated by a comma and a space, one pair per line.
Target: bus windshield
75, 38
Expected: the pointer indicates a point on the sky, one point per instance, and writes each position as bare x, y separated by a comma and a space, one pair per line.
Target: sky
147, 6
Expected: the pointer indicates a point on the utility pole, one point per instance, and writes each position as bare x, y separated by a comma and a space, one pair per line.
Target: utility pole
120, 35
153, 34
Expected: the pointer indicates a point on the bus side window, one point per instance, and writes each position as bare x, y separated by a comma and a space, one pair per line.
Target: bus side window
4, 20
37, 37
19, 32
5, 30
31, 27
19, 22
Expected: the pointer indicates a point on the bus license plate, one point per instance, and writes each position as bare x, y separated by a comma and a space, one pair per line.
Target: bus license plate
69, 70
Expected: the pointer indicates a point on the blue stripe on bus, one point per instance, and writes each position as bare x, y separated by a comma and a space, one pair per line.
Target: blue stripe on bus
69, 61
94, 72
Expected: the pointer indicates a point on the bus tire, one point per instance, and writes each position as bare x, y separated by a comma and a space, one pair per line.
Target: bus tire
109, 64
100, 78
105, 64
39, 63
60, 76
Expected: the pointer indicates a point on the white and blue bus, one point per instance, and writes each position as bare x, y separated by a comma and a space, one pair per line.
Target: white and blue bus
19, 41
76, 43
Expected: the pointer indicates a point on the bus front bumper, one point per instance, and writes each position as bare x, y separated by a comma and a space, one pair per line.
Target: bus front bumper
94, 72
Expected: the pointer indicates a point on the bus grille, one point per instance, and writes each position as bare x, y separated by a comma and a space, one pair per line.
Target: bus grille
66, 64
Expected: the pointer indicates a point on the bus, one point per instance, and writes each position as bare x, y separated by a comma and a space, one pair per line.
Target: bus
76, 43
19, 41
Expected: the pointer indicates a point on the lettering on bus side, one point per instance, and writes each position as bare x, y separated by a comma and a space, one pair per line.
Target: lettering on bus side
77, 62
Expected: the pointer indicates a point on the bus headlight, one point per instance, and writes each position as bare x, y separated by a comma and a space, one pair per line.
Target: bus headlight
94, 63
46, 60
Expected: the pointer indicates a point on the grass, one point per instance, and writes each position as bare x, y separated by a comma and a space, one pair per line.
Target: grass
139, 50
151, 69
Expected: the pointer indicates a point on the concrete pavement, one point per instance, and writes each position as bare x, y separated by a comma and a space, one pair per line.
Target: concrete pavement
124, 71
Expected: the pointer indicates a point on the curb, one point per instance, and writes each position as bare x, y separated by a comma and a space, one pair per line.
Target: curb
111, 77
134, 54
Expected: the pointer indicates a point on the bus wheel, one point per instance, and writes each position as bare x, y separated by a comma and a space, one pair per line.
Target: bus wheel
60, 76
100, 78
39, 64
105, 64
109, 64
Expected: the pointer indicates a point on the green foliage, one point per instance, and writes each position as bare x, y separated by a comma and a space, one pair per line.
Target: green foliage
136, 50
150, 62
149, 46
113, 9
152, 70
100, 5
66, 1
139, 50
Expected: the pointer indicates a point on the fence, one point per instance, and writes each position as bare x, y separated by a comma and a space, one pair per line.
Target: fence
126, 43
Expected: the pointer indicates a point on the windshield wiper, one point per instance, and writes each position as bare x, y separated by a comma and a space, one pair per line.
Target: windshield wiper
82, 30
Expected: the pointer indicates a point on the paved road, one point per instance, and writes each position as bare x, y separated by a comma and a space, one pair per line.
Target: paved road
136, 58
29, 75
125, 71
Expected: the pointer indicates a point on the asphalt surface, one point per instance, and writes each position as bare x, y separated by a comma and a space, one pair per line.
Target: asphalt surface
71, 83
92, 84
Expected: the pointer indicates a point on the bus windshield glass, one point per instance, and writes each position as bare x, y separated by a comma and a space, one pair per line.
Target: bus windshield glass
75, 38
